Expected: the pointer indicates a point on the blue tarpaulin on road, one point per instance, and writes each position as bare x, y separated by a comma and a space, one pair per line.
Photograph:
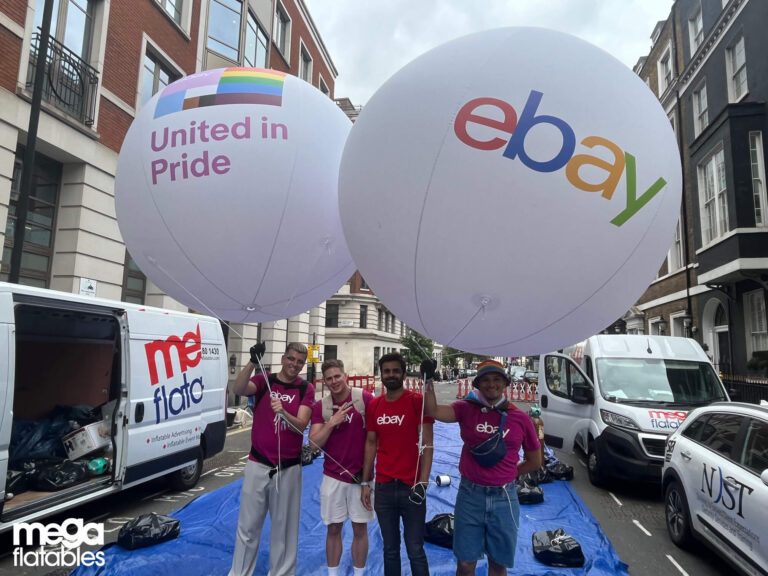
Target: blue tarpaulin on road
208, 526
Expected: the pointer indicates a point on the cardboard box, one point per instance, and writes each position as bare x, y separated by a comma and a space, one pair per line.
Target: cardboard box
85, 440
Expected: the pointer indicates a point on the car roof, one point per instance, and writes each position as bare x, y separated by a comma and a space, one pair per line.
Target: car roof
735, 407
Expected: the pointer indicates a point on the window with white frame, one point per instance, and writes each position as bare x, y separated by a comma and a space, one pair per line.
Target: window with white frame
255, 44
281, 33
700, 112
665, 70
656, 326
323, 87
305, 65
757, 329
757, 160
675, 256
224, 21
172, 8
696, 30
713, 197
736, 64
71, 24
673, 121
156, 75
677, 324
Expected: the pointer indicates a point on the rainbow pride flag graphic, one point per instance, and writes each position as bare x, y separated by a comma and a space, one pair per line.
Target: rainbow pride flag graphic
222, 86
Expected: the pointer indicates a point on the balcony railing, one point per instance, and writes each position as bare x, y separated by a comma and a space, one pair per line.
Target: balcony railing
70, 84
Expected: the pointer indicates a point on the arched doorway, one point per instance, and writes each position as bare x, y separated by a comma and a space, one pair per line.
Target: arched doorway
714, 320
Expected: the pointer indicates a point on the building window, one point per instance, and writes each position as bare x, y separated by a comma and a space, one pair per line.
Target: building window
331, 315
172, 8
331, 352
134, 282
737, 70
224, 28
656, 326
323, 87
41, 215
282, 31
364, 284
363, 316
696, 30
757, 161
255, 44
155, 76
754, 309
71, 24
700, 113
305, 65
713, 197
665, 70
675, 256
380, 325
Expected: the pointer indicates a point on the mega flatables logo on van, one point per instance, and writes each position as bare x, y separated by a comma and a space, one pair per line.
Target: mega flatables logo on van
663, 420
181, 391
518, 128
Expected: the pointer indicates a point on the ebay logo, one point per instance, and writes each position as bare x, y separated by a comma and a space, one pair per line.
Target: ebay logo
515, 130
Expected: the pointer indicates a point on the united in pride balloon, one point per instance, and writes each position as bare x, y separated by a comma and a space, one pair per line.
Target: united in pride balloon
227, 194
511, 192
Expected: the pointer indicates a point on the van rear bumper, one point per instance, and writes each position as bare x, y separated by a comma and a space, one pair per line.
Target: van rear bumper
621, 456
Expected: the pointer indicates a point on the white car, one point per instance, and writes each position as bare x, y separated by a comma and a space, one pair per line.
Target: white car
715, 480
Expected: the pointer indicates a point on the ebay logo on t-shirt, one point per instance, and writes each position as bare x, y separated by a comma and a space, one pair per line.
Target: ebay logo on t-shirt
390, 420
282, 397
486, 428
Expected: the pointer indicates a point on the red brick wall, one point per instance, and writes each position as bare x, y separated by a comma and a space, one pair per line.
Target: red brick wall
10, 48
16, 10
123, 57
113, 124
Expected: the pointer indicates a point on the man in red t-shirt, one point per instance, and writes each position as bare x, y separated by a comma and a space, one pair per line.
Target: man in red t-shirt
397, 432
338, 426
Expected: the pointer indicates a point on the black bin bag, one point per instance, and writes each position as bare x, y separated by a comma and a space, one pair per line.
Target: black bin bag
59, 475
561, 471
439, 530
556, 548
148, 530
529, 493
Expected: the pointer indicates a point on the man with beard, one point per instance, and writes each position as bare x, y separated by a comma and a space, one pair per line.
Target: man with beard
487, 513
281, 412
397, 431
338, 426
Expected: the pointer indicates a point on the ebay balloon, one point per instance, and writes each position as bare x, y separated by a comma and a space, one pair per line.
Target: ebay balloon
511, 192
227, 194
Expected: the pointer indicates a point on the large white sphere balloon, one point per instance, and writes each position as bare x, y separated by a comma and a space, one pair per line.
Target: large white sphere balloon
227, 193
510, 192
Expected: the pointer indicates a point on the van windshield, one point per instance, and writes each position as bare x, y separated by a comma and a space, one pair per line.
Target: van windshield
658, 381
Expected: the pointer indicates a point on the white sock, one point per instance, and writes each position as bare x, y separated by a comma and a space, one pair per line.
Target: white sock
333, 571
359, 571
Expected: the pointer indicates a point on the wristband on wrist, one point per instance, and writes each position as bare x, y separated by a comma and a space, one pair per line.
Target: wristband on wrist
365, 484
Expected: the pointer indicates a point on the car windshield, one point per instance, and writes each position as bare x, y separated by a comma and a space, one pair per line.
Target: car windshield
645, 380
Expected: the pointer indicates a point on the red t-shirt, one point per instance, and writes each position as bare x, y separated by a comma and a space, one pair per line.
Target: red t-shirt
397, 427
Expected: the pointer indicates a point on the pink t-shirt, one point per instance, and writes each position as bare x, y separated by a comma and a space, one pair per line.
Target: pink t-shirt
264, 435
346, 444
476, 426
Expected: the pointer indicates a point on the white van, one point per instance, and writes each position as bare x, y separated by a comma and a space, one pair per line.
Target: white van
623, 400
154, 380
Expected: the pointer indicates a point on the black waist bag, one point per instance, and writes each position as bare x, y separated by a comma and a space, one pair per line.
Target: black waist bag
148, 530
439, 530
492, 450
556, 548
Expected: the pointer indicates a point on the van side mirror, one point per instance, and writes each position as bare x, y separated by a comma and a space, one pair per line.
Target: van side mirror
582, 394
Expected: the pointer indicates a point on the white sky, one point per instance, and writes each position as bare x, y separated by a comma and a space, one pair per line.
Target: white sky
370, 40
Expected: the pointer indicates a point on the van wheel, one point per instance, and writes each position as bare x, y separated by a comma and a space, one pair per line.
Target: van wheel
677, 514
187, 477
594, 469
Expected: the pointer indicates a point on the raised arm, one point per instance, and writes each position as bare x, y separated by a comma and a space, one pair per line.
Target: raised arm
441, 412
243, 384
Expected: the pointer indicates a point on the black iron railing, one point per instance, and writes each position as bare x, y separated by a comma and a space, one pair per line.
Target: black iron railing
748, 388
70, 84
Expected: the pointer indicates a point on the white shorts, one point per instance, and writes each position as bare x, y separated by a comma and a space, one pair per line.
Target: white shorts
341, 500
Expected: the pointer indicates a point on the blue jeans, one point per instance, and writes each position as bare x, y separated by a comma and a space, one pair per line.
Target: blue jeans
391, 503
486, 522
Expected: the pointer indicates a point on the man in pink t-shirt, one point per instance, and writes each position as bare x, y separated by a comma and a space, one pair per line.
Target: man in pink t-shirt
487, 512
342, 436
283, 407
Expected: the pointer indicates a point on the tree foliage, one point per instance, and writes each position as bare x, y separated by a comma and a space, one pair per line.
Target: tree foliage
419, 347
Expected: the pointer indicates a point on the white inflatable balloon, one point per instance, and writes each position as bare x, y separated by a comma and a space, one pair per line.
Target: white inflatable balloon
227, 194
510, 192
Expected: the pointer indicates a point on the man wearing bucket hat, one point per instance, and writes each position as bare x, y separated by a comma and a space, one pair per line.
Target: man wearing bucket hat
493, 430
